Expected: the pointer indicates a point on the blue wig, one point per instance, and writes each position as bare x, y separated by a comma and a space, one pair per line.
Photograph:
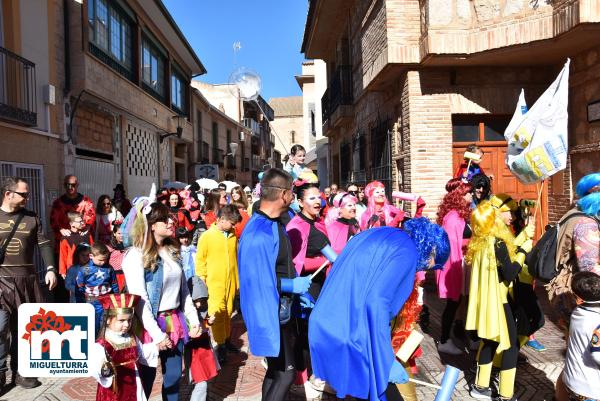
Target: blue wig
589, 202
429, 238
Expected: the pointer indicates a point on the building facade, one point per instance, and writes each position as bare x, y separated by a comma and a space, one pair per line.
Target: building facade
288, 125
413, 82
214, 132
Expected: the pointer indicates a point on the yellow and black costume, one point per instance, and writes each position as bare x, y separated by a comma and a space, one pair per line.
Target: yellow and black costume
496, 259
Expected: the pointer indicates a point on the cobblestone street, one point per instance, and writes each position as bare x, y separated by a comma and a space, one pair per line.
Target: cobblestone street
241, 378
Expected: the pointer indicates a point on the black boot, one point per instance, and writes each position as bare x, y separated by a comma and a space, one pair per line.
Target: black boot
230, 347
27, 382
222, 354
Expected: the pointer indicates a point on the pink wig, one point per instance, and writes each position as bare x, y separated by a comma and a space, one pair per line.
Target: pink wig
339, 201
388, 210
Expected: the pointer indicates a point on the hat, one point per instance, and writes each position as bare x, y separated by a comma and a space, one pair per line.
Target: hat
199, 288
117, 304
247, 189
504, 203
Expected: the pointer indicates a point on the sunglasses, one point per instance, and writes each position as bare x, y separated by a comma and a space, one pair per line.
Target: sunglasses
70, 185
24, 195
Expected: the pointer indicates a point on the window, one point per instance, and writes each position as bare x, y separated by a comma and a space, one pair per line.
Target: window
313, 127
153, 69
199, 133
479, 128
178, 85
215, 143
205, 152
110, 35
230, 158
292, 137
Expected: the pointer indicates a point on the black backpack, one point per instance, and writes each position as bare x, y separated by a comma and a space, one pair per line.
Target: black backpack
541, 261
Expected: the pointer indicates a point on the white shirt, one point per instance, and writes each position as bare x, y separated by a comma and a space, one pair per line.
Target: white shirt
174, 288
582, 362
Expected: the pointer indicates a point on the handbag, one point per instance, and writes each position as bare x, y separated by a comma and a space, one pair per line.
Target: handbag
10, 237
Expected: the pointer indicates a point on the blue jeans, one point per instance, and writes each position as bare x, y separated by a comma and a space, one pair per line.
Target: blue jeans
171, 364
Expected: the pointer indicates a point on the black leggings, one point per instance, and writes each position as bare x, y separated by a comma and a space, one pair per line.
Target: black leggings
448, 318
281, 370
509, 356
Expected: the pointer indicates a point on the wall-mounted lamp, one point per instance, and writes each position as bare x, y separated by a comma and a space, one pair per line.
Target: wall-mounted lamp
178, 132
233, 148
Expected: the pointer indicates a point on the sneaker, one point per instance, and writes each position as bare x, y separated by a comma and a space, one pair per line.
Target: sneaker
321, 385
536, 345
481, 393
310, 392
27, 382
449, 348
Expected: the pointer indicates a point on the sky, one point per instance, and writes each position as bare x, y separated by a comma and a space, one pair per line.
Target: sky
269, 31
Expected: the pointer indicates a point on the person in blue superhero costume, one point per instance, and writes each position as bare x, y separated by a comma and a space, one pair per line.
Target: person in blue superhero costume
349, 328
268, 283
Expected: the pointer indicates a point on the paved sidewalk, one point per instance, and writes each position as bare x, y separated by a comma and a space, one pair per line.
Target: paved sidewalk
241, 378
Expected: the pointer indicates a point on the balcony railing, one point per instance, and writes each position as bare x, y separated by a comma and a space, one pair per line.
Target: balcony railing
17, 89
253, 125
339, 91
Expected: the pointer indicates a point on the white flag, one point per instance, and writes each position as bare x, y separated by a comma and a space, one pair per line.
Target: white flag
538, 138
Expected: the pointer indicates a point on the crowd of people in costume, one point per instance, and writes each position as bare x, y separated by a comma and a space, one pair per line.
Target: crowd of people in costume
330, 283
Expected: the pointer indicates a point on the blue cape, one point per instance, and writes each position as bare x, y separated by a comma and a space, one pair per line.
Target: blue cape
349, 329
259, 298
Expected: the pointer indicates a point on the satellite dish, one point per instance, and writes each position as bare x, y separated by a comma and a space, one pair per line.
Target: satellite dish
245, 83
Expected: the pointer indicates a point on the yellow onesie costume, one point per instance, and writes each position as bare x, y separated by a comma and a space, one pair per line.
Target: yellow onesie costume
216, 264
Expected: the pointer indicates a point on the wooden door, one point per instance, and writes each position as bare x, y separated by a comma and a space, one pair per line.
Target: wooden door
493, 164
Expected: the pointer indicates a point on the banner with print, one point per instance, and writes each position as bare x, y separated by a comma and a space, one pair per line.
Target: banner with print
538, 138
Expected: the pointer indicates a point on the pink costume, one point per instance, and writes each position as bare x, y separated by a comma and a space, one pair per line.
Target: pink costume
392, 216
450, 280
338, 233
298, 230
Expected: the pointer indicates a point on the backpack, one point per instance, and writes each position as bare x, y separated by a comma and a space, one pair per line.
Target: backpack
541, 261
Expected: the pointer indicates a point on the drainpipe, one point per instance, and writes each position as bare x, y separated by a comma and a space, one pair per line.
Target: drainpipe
67, 88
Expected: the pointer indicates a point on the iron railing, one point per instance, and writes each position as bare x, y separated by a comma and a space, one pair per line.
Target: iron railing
17, 89
339, 91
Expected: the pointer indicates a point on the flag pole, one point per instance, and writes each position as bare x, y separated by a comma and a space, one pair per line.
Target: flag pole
538, 205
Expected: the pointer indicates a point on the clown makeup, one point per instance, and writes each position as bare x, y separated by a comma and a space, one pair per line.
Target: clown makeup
348, 210
379, 195
311, 203
119, 323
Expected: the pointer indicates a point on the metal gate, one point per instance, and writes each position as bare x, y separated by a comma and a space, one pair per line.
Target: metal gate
142, 159
381, 155
95, 177
34, 175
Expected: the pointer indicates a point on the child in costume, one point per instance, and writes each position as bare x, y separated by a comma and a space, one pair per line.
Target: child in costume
341, 221
454, 214
81, 257
116, 355
187, 251
78, 234
199, 357
349, 329
496, 259
380, 212
474, 165
217, 266
295, 164
95, 279
580, 379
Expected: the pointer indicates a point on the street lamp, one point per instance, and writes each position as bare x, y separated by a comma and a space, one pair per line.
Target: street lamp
178, 132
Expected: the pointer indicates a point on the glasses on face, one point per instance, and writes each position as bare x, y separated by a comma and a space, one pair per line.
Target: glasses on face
78, 222
70, 184
24, 195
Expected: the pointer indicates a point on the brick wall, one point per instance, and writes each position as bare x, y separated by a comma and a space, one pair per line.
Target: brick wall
93, 129
403, 22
